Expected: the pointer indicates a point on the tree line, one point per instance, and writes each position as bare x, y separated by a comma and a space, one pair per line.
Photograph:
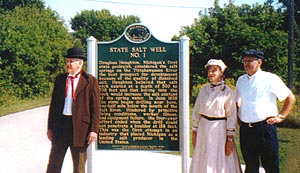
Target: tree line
34, 39
224, 33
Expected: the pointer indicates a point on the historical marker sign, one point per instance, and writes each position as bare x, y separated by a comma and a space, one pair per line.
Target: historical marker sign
138, 78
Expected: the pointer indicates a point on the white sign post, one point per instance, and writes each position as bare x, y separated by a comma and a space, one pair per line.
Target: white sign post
184, 86
91, 68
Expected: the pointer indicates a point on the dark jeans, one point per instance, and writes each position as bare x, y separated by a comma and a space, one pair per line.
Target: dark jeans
259, 142
60, 147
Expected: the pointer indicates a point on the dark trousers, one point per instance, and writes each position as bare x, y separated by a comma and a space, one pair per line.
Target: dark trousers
259, 143
60, 146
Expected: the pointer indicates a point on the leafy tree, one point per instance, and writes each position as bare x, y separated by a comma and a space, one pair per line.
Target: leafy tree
296, 45
32, 42
100, 24
11, 4
226, 32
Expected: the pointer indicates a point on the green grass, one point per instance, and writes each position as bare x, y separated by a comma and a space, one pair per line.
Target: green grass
22, 105
289, 149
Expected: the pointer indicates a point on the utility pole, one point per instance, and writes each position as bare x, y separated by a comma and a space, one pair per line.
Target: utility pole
290, 42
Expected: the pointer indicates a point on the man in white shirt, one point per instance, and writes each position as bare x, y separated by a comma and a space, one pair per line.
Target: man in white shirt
256, 95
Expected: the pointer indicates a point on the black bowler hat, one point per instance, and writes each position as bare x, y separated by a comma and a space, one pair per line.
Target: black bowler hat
75, 52
254, 53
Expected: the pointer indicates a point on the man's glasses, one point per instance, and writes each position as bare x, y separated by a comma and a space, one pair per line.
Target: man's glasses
244, 61
71, 61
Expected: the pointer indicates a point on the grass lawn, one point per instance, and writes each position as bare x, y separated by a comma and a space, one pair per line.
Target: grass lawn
23, 105
289, 150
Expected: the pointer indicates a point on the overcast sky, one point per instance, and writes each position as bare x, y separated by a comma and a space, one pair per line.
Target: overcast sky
164, 18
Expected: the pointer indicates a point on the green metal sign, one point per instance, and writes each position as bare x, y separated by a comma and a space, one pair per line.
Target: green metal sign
138, 79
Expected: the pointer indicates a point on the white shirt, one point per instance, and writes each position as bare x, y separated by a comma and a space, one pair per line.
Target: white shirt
256, 96
68, 99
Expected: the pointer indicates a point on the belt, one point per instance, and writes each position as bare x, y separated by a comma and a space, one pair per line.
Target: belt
213, 118
67, 116
254, 124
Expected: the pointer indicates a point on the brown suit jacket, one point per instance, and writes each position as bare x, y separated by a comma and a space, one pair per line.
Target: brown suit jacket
85, 108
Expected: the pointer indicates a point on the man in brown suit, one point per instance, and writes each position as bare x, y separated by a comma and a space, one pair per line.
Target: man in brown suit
73, 114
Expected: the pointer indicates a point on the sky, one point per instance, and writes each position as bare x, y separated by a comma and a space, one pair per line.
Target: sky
164, 18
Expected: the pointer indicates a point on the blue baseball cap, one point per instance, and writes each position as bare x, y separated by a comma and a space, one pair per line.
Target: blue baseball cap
253, 53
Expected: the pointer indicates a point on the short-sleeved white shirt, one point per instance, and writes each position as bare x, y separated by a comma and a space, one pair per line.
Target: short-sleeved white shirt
256, 95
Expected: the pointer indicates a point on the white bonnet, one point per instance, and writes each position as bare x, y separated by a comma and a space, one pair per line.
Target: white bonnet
217, 62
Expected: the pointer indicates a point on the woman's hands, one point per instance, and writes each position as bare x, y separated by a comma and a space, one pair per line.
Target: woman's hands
229, 145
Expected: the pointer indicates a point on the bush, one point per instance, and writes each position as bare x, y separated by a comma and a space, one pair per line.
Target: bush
293, 119
32, 44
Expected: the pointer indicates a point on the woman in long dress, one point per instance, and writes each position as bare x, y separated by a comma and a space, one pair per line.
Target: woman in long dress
214, 124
